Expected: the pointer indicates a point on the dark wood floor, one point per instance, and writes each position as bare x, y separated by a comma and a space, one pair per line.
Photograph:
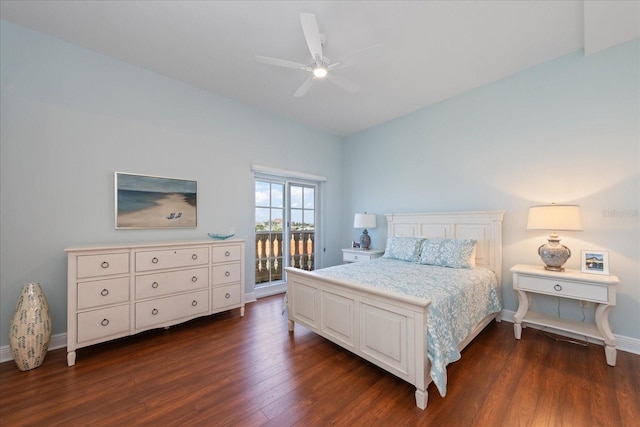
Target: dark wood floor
228, 370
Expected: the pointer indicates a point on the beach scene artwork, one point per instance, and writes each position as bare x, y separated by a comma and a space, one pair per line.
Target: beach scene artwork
144, 201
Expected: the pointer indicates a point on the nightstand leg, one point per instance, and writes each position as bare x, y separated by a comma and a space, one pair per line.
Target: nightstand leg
602, 323
517, 330
523, 306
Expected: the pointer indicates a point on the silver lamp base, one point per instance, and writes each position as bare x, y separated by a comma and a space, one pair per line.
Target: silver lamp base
554, 255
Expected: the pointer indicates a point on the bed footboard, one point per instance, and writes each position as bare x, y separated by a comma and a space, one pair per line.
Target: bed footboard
385, 328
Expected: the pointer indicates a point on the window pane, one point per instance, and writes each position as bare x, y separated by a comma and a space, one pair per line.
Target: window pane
276, 219
296, 197
277, 199
262, 218
309, 199
296, 219
262, 193
309, 220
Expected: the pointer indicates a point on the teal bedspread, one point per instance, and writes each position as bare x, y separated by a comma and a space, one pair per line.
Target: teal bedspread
460, 299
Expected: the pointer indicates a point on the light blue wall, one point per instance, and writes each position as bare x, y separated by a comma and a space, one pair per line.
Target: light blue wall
70, 118
565, 131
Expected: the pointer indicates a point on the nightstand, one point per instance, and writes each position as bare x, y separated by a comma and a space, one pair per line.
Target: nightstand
571, 284
357, 255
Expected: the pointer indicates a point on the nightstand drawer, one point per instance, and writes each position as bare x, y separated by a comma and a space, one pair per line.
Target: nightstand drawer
582, 291
357, 255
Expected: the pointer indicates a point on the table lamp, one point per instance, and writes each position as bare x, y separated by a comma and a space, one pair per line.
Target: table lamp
364, 220
554, 217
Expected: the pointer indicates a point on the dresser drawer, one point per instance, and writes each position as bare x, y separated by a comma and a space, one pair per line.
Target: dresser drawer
225, 273
102, 323
103, 292
153, 285
102, 265
226, 253
583, 291
225, 296
164, 310
157, 260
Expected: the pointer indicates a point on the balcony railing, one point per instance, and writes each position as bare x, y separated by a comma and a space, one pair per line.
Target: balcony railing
269, 254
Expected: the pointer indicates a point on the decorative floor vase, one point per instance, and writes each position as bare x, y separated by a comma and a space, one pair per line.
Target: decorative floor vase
30, 328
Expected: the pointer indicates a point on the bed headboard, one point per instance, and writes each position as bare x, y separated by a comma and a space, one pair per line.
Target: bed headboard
484, 226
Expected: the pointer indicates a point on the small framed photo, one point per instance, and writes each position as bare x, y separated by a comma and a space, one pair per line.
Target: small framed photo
595, 262
355, 245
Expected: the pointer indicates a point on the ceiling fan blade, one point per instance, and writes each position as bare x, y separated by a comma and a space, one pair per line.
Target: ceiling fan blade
312, 35
282, 63
343, 83
304, 87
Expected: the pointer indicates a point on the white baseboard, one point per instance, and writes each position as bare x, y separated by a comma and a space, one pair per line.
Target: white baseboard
628, 344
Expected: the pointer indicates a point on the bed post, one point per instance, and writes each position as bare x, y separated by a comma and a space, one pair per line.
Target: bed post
422, 365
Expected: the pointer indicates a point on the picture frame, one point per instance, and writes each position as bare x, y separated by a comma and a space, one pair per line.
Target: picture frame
355, 245
148, 201
595, 262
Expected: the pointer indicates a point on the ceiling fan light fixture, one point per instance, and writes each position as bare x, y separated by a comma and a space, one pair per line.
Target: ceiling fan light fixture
320, 72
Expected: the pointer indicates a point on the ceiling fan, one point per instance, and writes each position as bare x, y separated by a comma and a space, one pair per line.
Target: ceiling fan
320, 67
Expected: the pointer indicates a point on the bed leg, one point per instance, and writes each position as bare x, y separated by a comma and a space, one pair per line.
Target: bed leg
291, 323
421, 398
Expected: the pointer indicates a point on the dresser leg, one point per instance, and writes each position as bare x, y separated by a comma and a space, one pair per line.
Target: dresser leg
291, 323
71, 358
242, 311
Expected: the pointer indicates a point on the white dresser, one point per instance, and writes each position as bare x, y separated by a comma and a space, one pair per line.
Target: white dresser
119, 290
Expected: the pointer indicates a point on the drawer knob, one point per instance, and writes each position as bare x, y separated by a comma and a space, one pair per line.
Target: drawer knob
104, 292
154, 311
194, 279
227, 295
194, 257
155, 285
104, 322
557, 287
194, 303
154, 260
355, 257
227, 273
227, 253
104, 264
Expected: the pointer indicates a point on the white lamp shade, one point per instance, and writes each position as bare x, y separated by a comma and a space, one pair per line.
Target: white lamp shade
555, 217
364, 220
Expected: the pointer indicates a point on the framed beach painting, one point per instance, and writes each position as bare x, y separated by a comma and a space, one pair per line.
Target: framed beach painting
144, 201
595, 262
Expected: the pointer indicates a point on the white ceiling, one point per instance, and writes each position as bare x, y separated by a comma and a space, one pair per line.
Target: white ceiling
432, 50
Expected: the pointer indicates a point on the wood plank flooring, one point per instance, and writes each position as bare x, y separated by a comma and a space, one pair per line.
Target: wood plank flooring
225, 370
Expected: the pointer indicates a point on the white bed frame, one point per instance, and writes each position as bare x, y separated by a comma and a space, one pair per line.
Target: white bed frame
388, 328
